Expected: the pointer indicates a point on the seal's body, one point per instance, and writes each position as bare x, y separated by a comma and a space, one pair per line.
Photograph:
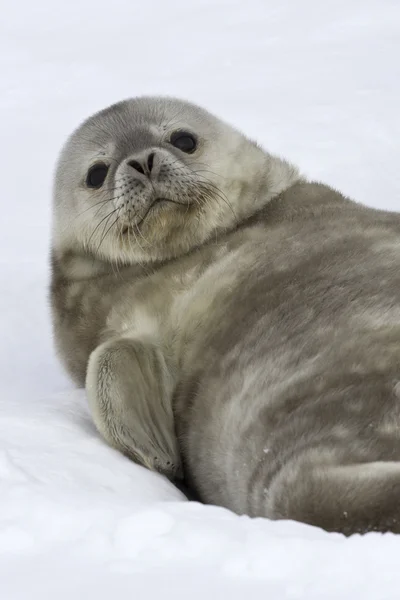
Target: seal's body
235, 323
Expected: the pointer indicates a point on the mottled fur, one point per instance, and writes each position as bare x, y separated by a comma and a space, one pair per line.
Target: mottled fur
246, 334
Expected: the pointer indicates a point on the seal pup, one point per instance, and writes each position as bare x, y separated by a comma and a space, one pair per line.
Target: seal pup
234, 323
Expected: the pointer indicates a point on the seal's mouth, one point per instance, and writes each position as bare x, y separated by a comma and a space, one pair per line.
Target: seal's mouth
160, 201
157, 202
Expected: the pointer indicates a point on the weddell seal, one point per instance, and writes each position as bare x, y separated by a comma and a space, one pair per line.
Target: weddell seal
234, 323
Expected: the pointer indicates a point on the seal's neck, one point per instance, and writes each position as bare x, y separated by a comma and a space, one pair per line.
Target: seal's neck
79, 266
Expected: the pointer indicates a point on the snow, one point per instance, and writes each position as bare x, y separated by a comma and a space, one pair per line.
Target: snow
317, 82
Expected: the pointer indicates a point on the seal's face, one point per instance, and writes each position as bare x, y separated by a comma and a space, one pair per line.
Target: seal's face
151, 178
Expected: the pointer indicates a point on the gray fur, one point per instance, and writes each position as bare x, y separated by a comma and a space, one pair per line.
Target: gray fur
245, 334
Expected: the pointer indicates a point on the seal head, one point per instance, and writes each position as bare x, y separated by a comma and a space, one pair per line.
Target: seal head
149, 179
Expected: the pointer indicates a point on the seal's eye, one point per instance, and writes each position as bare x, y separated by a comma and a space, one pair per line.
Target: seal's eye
184, 141
96, 175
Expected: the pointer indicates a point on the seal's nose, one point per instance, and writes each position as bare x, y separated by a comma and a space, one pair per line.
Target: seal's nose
143, 163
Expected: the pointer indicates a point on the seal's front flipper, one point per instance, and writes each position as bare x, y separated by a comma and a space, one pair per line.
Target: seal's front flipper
129, 389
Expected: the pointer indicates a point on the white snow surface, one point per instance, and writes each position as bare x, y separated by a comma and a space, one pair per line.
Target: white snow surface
316, 81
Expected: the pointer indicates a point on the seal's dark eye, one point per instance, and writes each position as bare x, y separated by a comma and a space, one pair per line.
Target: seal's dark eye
184, 141
96, 175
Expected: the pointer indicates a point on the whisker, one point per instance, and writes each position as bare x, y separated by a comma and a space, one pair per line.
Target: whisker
100, 222
94, 206
106, 233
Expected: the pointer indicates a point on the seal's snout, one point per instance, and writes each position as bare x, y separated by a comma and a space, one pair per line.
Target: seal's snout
142, 163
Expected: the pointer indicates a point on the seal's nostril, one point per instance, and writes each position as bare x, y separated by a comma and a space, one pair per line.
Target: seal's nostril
136, 165
150, 161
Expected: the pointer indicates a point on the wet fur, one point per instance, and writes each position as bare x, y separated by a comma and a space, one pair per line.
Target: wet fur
251, 345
